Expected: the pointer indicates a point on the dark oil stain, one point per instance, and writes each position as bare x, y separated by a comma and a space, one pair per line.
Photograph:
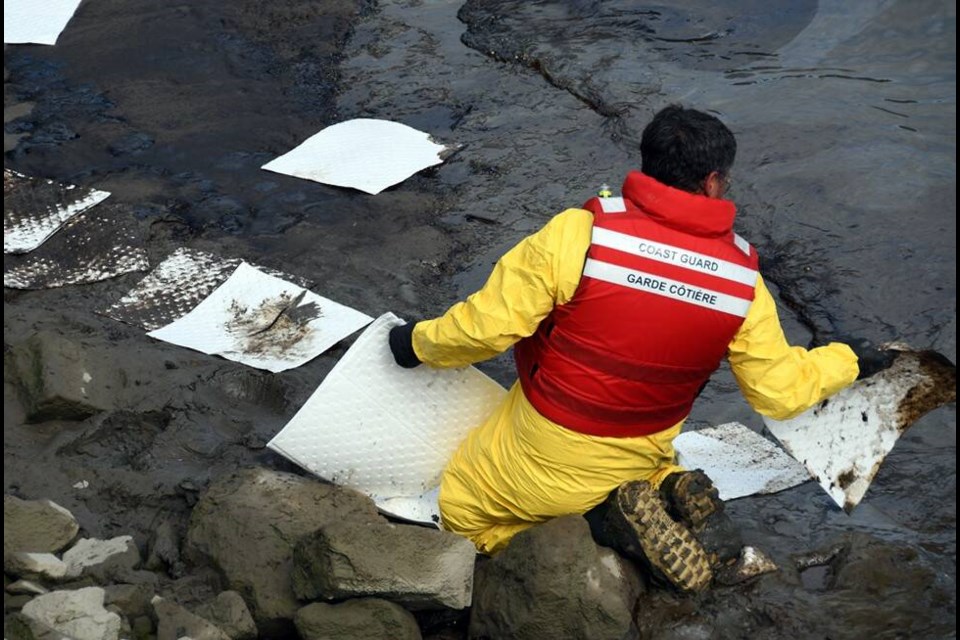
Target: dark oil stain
937, 387
846, 478
276, 326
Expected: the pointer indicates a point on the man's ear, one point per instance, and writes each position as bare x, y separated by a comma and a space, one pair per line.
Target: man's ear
714, 186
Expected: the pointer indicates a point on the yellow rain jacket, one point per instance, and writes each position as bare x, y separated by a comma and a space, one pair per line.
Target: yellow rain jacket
518, 468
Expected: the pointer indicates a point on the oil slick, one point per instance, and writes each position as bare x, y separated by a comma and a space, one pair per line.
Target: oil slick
844, 439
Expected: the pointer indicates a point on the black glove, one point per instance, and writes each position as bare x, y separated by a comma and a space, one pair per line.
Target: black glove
870, 359
401, 345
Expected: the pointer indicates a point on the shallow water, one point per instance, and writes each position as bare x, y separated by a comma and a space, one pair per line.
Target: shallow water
845, 180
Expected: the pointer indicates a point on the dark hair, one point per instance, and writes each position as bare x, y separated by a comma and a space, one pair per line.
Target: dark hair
681, 147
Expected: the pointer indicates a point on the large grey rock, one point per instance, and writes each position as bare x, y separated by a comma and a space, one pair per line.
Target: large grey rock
40, 526
103, 560
414, 566
247, 524
59, 380
229, 612
364, 619
173, 622
76, 614
553, 581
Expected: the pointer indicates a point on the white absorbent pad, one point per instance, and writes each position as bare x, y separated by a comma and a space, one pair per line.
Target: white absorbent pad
739, 460
97, 244
34, 209
36, 21
365, 154
177, 285
384, 430
263, 321
843, 440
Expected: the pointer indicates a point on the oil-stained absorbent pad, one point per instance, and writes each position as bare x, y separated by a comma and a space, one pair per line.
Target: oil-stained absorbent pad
739, 460
263, 321
34, 209
843, 440
384, 430
365, 154
36, 21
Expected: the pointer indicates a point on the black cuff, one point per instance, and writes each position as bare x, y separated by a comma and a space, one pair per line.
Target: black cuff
401, 345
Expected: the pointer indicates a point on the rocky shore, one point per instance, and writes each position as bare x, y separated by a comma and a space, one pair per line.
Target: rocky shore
276, 555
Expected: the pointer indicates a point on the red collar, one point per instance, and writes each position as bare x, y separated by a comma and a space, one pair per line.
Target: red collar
678, 209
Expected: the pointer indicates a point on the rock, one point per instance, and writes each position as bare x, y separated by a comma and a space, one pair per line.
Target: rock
247, 524
165, 550
26, 587
142, 628
45, 565
173, 622
79, 615
553, 581
229, 612
103, 560
57, 380
17, 627
40, 526
424, 569
141, 577
125, 630
132, 599
871, 574
751, 563
364, 619
15, 602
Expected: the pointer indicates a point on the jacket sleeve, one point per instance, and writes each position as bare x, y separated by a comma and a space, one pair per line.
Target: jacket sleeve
778, 380
543, 270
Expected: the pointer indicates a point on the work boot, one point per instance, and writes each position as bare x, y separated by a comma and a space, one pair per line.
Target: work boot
690, 496
634, 521
693, 500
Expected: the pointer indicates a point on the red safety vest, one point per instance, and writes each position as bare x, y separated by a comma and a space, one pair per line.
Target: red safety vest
665, 287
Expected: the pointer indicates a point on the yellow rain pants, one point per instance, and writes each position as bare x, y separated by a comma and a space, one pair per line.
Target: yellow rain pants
518, 468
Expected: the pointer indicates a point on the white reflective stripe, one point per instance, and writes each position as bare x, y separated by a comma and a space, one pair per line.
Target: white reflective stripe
615, 274
669, 254
742, 244
612, 205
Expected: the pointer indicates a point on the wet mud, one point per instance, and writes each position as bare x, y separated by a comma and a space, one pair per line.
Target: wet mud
845, 183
